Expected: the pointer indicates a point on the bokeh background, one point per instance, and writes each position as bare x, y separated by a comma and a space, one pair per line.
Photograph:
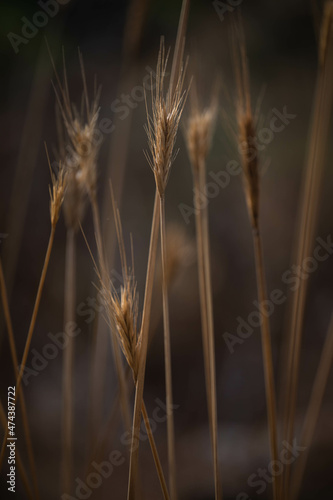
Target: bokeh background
119, 41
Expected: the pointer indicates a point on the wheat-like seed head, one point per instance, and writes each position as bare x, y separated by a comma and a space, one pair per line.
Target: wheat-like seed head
84, 148
163, 122
57, 193
122, 305
82, 141
247, 131
249, 157
122, 312
199, 132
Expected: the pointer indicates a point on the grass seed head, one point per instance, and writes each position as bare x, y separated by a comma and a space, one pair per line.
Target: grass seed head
57, 194
122, 305
246, 129
249, 157
199, 132
163, 122
82, 146
122, 312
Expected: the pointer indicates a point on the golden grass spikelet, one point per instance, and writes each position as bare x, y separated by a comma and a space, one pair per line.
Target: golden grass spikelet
122, 313
249, 157
79, 154
199, 132
246, 130
57, 194
84, 148
162, 124
122, 305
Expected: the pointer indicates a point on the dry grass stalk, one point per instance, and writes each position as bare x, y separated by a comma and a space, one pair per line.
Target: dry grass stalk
178, 56
68, 361
134, 453
249, 159
307, 217
162, 128
122, 317
311, 417
57, 193
26, 430
122, 380
180, 253
167, 360
198, 138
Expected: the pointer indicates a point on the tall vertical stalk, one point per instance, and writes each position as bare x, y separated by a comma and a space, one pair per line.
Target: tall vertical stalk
134, 453
210, 332
307, 218
267, 356
167, 359
198, 137
251, 180
311, 416
68, 362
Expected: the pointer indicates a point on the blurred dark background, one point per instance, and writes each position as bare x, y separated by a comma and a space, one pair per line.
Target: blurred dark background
282, 48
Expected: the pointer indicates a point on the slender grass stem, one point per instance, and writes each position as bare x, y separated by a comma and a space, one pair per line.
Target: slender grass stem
202, 231
311, 417
68, 362
155, 453
211, 344
203, 297
13, 352
31, 327
179, 47
110, 426
307, 218
134, 453
167, 359
267, 356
